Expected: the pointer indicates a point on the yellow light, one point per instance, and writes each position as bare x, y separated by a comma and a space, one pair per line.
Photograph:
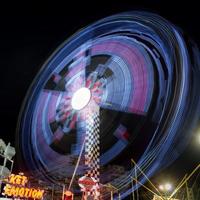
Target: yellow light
22, 192
17, 179
15, 188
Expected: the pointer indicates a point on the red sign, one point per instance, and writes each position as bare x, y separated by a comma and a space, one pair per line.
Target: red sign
87, 183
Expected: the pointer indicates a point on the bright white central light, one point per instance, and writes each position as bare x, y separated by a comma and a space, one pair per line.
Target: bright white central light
81, 98
168, 186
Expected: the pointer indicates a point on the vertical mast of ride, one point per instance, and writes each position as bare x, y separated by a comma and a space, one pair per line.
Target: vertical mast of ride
92, 152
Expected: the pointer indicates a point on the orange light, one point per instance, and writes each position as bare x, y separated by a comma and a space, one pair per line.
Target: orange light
68, 195
15, 188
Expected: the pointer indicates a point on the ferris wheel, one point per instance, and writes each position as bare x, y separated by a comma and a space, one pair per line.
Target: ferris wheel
117, 89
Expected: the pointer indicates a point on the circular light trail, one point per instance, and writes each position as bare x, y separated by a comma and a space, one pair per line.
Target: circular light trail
141, 72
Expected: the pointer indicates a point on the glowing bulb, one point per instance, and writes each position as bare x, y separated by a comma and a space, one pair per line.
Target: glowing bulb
161, 187
168, 186
165, 187
81, 98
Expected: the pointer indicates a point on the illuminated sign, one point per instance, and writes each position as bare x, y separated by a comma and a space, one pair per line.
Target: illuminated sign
16, 188
17, 179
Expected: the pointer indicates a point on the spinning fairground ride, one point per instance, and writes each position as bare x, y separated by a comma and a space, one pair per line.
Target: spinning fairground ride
122, 88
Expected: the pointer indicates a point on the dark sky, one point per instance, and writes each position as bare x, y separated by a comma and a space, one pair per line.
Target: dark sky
30, 32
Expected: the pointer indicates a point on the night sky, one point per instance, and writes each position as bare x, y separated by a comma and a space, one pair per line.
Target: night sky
30, 33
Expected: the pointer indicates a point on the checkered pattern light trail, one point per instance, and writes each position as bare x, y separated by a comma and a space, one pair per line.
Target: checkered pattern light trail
92, 152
